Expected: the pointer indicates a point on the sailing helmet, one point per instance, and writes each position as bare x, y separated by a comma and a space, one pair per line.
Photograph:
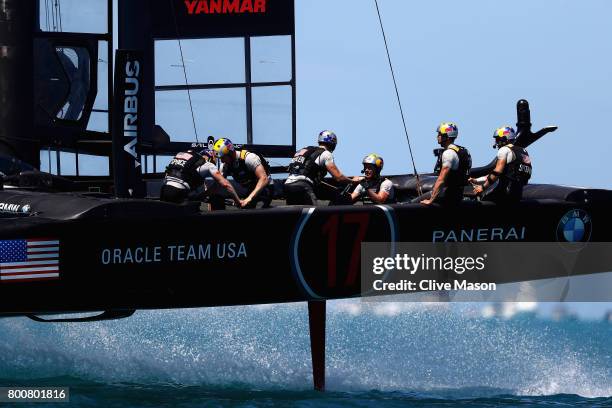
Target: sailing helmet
448, 130
223, 147
374, 160
503, 135
328, 137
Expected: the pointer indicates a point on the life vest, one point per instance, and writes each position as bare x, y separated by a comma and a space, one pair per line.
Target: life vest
516, 175
376, 185
456, 179
304, 164
184, 167
241, 173
459, 177
519, 171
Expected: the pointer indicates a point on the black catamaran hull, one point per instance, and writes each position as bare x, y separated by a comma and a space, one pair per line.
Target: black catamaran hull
137, 254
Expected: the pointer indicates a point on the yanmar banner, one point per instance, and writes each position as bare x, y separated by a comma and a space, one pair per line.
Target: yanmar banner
222, 18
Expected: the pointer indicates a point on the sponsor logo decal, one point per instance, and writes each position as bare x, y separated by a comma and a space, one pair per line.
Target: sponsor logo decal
130, 118
480, 234
575, 226
225, 6
184, 252
14, 208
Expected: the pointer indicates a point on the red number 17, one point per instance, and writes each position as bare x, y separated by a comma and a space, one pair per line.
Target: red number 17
331, 229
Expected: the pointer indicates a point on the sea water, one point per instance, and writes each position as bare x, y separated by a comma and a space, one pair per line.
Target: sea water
377, 354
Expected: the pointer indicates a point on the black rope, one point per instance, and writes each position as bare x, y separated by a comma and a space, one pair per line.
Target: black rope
178, 35
399, 101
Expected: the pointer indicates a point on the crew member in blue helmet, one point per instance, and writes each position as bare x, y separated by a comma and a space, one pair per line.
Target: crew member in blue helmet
308, 168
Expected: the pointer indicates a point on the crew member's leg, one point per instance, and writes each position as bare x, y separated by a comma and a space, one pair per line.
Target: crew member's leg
425, 196
172, 194
445, 198
266, 195
498, 196
300, 193
450, 197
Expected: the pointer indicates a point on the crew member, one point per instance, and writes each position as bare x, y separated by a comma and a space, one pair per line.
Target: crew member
308, 168
250, 170
453, 168
512, 170
187, 172
378, 189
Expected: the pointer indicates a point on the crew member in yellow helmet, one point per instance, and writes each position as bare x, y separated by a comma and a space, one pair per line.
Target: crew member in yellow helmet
374, 187
250, 171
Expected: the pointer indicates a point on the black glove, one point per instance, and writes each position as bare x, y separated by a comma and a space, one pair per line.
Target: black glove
366, 184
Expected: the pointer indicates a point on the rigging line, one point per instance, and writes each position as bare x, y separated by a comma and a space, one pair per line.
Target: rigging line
57, 23
399, 101
178, 35
53, 16
47, 14
59, 14
56, 16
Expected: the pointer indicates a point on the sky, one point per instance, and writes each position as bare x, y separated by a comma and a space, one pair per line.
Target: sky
467, 62
462, 61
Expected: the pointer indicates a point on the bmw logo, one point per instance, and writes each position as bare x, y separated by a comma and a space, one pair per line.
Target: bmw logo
575, 226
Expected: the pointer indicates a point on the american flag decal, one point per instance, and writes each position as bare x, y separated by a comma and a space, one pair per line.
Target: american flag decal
26, 260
